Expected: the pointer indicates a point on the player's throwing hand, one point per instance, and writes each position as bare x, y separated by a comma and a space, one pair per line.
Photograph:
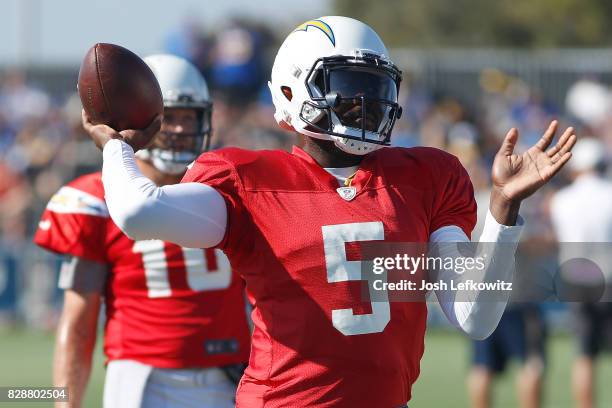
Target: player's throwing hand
138, 139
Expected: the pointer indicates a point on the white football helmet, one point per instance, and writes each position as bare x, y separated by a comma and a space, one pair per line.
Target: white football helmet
182, 86
332, 79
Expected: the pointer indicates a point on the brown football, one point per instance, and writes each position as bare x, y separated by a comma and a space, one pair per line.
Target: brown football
118, 89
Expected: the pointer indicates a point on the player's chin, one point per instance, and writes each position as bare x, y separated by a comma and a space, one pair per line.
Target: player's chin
370, 124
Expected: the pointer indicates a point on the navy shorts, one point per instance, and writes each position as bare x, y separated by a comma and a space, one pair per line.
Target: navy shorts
520, 334
593, 325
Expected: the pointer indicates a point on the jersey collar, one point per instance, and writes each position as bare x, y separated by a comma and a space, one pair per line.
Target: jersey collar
328, 181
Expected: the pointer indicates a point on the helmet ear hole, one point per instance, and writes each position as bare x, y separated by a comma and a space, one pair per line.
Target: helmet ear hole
287, 92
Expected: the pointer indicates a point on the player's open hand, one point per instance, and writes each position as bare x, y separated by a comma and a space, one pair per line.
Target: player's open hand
138, 139
517, 176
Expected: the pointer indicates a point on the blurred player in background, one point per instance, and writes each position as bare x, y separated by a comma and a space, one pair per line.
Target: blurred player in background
519, 336
176, 330
293, 224
582, 216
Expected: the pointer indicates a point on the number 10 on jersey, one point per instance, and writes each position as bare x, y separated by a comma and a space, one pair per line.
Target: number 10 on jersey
199, 277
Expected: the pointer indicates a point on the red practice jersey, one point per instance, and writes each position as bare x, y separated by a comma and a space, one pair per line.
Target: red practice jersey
166, 306
291, 235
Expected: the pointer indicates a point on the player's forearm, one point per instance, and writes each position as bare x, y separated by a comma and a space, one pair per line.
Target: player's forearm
504, 211
190, 214
476, 312
72, 368
75, 342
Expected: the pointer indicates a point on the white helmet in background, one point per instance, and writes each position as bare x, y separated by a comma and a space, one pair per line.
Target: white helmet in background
332, 79
182, 86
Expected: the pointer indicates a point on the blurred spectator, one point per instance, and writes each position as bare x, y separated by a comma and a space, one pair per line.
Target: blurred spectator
588, 101
20, 101
582, 216
14, 200
520, 336
190, 41
240, 62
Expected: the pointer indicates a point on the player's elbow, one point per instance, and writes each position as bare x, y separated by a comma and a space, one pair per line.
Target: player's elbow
481, 322
478, 331
131, 219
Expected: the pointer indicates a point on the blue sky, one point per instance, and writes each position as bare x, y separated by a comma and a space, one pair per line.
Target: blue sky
61, 31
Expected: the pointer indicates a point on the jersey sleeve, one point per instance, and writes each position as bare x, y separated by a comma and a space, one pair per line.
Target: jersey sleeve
454, 202
74, 223
219, 173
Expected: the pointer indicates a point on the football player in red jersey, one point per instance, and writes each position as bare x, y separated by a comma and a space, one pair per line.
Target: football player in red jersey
294, 224
176, 327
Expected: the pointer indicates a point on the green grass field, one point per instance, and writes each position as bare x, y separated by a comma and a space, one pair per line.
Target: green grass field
25, 360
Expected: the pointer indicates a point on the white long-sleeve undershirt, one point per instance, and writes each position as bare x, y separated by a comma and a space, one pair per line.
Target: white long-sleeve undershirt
192, 215
476, 313
195, 215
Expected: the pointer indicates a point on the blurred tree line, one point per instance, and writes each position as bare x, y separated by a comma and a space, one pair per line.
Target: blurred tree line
482, 23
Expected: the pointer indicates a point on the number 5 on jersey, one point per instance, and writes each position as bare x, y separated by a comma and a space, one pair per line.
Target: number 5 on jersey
339, 269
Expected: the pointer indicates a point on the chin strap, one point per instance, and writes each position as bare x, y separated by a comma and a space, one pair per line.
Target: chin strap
349, 179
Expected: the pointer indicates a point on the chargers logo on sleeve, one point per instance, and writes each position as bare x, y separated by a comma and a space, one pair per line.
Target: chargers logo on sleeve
69, 200
320, 25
